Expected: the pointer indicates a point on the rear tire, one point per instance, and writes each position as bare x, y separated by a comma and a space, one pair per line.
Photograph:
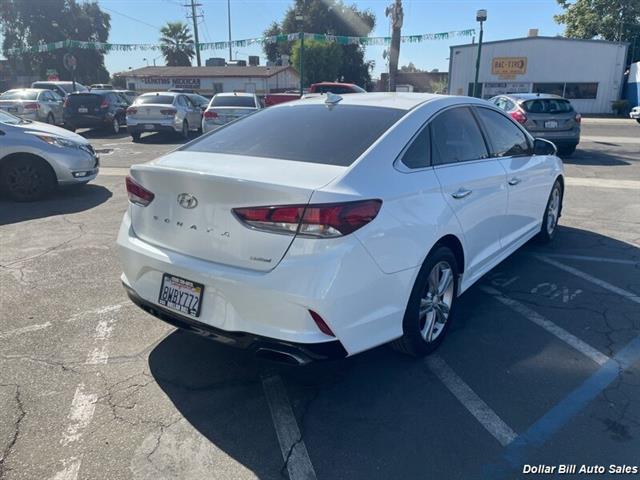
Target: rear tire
27, 179
184, 133
51, 119
115, 126
69, 127
551, 214
638, 120
431, 306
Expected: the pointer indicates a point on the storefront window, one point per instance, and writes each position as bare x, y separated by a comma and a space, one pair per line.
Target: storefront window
581, 90
550, 88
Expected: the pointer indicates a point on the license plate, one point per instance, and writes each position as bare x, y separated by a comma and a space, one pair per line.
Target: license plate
83, 110
12, 109
148, 127
551, 124
181, 295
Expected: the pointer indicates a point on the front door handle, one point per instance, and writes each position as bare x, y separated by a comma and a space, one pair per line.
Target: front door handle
461, 193
514, 181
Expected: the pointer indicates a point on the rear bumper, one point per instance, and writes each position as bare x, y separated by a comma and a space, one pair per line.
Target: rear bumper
152, 127
88, 122
339, 281
570, 137
288, 352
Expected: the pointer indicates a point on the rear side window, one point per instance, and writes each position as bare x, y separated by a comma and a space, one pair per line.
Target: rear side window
419, 152
233, 101
304, 133
547, 105
456, 137
505, 138
159, 99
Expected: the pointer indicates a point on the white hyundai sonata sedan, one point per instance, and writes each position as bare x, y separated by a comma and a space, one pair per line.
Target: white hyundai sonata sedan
327, 226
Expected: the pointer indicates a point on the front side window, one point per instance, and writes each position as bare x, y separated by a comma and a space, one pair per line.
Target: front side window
418, 154
456, 137
303, 133
506, 139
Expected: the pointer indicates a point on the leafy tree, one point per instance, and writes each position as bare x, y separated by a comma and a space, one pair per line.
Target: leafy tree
25, 23
177, 44
411, 68
615, 20
321, 61
332, 17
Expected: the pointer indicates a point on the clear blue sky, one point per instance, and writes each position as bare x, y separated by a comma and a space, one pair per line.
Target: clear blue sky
506, 19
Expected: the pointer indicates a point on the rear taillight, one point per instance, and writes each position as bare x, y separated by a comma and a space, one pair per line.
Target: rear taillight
132, 111
31, 106
168, 111
578, 118
137, 193
321, 324
317, 221
104, 104
66, 103
209, 114
519, 116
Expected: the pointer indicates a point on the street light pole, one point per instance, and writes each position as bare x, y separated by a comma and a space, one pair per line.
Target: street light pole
229, 22
481, 16
299, 19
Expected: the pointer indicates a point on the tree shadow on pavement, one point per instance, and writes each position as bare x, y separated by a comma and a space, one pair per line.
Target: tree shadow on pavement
63, 201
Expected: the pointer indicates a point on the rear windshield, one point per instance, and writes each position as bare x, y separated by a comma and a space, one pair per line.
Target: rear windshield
547, 105
160, 99
19, 95
79, 98
304, 133
232, 101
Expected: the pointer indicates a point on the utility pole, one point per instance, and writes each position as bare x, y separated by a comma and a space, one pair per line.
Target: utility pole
300, 20
481, 16
394, 11
229, 22
195, 17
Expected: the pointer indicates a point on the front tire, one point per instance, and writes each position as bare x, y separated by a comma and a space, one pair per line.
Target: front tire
551, 214
431, 306
27, 179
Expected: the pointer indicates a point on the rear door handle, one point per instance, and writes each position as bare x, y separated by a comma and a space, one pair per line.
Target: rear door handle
514, 181
461, 193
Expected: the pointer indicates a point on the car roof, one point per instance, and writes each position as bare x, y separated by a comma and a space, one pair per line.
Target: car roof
234, 94
399, 100
174, 94
531, 96
55, 82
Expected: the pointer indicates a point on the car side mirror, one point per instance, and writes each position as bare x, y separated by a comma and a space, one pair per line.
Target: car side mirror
544, 147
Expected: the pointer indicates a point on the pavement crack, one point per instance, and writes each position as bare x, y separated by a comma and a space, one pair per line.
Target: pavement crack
16, 430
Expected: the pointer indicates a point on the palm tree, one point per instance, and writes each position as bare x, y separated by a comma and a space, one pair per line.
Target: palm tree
177, 44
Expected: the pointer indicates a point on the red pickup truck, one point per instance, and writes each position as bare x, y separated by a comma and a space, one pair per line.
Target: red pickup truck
322, 87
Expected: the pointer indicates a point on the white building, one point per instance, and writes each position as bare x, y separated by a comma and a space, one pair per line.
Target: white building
212, 80
587, 72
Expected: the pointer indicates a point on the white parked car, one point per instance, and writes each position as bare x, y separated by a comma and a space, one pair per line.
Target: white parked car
227, 107
168, 112
327, 226
635, 113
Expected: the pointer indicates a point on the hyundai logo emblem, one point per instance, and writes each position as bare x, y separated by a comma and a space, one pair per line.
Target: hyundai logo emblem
186, 200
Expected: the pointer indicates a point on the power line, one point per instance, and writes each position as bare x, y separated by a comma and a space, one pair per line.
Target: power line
155, 27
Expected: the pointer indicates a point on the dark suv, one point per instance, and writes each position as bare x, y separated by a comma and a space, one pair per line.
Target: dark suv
96, 109
545, 116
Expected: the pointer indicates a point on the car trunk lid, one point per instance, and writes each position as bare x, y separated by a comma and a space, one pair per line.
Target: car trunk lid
151, 111
220, 182
228, 114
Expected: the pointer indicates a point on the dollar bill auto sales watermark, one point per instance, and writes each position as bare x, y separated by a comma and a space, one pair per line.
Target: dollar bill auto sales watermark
579, 470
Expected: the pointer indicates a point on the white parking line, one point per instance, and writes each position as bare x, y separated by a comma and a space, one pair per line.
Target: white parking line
82, 409
294, 451
585, 276
30, 328
471, 401
533, 316
602, 183
114, 171
593, 259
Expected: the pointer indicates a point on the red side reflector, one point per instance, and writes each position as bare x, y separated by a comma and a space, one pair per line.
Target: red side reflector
324, 328
138, 195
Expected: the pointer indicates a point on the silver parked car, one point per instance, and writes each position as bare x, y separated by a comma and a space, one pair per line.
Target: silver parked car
545, 116
36, 157
33, 104
635, 113
62, 88
227, 107
163, 112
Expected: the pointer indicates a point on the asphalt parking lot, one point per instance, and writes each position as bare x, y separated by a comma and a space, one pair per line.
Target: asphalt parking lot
541, 367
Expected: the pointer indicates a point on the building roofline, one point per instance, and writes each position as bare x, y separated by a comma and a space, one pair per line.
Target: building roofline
538, 37
200, 71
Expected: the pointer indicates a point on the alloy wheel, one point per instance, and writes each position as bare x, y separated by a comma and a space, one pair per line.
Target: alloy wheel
435, 305
554, 210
